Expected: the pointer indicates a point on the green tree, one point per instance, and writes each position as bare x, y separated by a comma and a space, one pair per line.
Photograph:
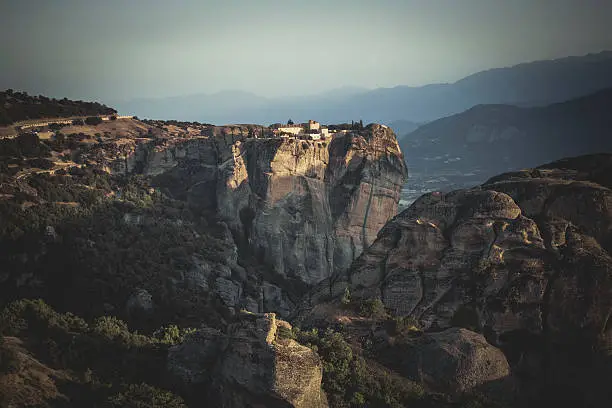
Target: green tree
346, 298
93, 120
373, 308
145, 396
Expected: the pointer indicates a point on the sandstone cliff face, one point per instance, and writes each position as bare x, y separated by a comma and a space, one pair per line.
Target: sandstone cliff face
523, 259
303, 208
501, 249
250, 365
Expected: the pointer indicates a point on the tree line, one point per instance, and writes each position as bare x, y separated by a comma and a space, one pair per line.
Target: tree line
19, 106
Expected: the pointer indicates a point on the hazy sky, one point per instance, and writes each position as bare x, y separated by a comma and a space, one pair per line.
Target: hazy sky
134, 48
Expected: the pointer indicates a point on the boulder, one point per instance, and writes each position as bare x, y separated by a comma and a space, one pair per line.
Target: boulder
453, 361
140, 301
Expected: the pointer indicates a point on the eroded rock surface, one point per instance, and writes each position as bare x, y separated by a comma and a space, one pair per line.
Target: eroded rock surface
251, 364
479, 250
307, 207
524, 259
453, 361
302, 208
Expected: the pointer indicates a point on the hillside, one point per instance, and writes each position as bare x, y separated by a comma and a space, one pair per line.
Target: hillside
19, 106
523, 136
488, 139
530, 84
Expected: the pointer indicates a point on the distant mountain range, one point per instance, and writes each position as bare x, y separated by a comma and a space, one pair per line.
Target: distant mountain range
497, 138
530, 84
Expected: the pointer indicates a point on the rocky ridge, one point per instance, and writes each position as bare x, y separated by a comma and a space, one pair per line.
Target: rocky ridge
523, 259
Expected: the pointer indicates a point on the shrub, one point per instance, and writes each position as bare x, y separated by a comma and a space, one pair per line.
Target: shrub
346, 297
172, 334
358, 400
110, 327
56, 126
404, 325
373, 308
349, 380
93, 120
145, 396
284, 332
35, 316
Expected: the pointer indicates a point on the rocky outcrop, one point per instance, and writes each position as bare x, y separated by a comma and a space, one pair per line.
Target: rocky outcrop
499, 251
250, 365
524, 259
453, 361
302, 208
140, 301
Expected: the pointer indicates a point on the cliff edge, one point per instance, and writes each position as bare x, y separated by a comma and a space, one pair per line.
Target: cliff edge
303, 208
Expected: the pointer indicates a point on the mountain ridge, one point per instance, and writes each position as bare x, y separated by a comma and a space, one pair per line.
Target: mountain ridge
529, 83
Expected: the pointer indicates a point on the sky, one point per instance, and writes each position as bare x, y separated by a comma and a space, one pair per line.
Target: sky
122, 49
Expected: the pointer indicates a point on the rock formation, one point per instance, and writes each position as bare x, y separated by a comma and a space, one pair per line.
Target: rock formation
250, 365
453, 361
302, 208
523, 259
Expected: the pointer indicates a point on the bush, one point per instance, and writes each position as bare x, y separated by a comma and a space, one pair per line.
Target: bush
346, 297
22, 106
106, 347
93, 120
284, 332
172, 334
351, 381
56, 126
36, 317
110, 327
145, 396
404, 325
372, 308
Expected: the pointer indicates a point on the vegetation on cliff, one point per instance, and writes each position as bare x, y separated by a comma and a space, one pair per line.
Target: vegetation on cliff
101, 363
